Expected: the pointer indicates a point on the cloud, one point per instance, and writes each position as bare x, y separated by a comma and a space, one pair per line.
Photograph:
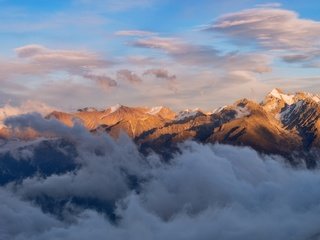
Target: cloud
167, 44
270, 5
14, 210
235, 78
270, 28
295, 58
9, 110
104, 81
134, 33
204, 192
162, 73
142, 60
129, 76
114, 5
52, 59
204, 56
37, 60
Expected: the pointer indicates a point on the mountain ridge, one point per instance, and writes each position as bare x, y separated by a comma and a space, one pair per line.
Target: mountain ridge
284, 124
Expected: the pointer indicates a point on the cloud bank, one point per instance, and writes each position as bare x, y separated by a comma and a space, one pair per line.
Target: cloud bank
204, 192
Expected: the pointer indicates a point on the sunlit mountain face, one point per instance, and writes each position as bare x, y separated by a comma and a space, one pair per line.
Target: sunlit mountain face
158, 119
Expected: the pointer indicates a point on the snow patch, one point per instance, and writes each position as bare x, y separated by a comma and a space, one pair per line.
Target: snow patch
288, 99
115, 108
284, 115
155, 110
188, 113
217, 110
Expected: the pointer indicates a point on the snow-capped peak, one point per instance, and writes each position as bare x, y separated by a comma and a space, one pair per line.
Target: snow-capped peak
293, 98
314, 97
287, 98
219, 109
187, 113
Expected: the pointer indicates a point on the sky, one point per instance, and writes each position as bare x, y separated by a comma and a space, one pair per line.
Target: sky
70, 54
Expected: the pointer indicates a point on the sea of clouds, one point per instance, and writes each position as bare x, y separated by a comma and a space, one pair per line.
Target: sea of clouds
114, 192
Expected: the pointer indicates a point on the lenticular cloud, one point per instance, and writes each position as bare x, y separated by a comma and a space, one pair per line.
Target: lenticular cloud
114, 192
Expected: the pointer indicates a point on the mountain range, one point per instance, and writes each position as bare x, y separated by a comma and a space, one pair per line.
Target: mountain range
35, 148
282, 124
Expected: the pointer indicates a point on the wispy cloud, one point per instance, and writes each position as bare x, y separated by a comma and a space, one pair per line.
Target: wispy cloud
37, 60
56, 59
167, 44
204, 56
270, 28
115, 5
269, 5
162, 73
135, 33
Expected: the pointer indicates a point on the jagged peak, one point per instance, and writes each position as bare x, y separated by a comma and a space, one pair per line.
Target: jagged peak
189, 110
276, 92
279, 94
243, 102
189, 113
292, 98
307, 95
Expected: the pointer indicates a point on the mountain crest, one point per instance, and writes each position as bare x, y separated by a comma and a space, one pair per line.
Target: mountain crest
281, 124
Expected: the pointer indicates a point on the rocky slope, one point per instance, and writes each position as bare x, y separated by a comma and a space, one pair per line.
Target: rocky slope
132, 120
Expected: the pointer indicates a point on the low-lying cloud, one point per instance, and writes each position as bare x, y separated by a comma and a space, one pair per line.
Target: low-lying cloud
204, 192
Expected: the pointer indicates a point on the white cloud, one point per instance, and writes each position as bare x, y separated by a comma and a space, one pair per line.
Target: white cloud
205, 192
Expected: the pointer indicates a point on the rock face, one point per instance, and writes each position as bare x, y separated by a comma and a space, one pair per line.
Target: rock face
285, 124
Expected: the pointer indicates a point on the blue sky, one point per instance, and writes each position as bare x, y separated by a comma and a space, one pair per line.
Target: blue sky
203, 53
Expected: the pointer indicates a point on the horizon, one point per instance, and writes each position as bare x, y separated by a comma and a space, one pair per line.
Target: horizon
177, 110
78, 53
